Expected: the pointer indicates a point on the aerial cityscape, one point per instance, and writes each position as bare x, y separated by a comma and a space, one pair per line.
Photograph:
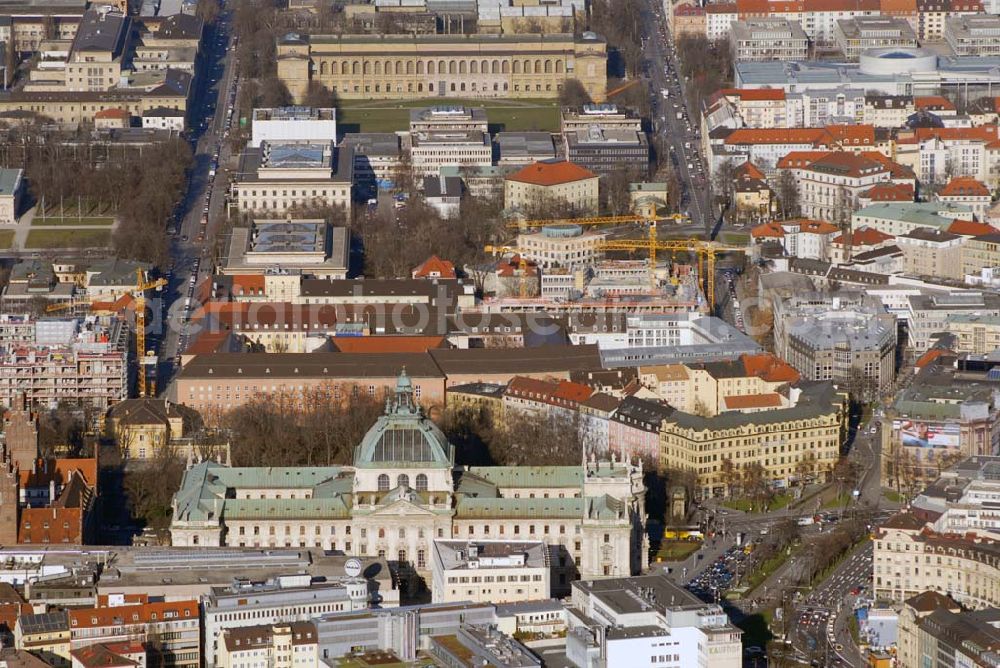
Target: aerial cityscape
499, 333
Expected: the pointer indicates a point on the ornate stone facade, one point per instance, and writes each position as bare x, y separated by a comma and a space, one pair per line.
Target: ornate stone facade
404, 490
424, 66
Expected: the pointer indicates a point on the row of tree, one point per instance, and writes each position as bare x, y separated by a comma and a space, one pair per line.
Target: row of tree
142, 185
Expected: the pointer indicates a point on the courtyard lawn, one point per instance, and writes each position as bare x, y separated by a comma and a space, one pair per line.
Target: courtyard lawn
6, 238
393, 115
68, 238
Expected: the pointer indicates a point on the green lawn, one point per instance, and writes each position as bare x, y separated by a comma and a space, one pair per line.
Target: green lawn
734, 238
72, 221
837, 502
390, 116
893, 495
6, 238
778, 502
68, 238
69, 209
677, 550
764, 571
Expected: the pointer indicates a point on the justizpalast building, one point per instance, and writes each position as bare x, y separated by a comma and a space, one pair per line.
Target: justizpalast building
404, 490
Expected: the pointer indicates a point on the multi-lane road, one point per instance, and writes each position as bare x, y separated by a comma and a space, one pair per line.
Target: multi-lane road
192, 240
672, 118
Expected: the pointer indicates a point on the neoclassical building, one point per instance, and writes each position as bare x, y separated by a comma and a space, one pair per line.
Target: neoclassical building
404, 490
465, 66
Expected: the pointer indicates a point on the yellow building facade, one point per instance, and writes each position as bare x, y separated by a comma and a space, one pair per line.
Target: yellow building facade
421, 66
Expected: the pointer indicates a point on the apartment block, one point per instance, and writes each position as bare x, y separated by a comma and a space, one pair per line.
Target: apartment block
973, 35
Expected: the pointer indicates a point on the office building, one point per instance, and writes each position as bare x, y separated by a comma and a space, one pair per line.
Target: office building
768, 39
293, 124
552, 183
277, 177
647, 620
431, 150
605, 150
283, 600
490, 571
973, 35
861, 33
845, 337
290, 245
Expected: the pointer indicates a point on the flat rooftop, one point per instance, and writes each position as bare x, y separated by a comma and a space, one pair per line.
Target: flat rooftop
295, 114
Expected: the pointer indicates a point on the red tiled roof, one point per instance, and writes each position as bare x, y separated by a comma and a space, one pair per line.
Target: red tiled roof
59, 471
816, 226
769, 367
248, 284
929, 357
889, 192
865, 236
964, 186
434, 267
933, 103
112, 113
100, 656
551, 173
986, 133
387, 344
688, 10
721, 8
750, 170
897, 7
755, 94
970, 228
51, 526
560, 393
768, 400
510, 267
84, 618
768, 231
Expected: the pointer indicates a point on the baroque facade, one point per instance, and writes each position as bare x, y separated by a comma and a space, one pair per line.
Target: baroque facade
403, 491
420, 66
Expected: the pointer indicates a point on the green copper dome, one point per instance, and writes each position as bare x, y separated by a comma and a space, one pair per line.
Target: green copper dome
403, 436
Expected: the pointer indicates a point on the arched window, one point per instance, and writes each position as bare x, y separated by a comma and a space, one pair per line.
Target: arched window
474, 67
194, 539
409, 67
538, 67
402, 533
461, 67
367, 67
453, 67
378, 67
399, 67
485, 68
548, 67
442, 68
403, 480
381, 533
430, 67
559, 67
517, 67
355, 67
322, 68
421, 482
383, 483
505, 67
420, 87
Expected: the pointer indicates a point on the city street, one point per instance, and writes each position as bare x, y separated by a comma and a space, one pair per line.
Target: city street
193, 242
672, 119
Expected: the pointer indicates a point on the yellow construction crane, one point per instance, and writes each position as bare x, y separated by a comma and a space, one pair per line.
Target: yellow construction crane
705, 251
595, 220
522, 264
142, 283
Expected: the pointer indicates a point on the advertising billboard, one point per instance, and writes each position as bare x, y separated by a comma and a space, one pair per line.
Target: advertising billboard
923, 434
